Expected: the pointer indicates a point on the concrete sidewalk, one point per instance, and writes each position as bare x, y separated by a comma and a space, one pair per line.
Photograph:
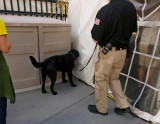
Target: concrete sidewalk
69, 106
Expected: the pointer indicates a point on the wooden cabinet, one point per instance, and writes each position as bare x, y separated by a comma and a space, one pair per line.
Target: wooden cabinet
38, 40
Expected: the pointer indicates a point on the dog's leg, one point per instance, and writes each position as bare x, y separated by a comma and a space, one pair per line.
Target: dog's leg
70, 79
63, 76
52, 73
43, 81
53, 80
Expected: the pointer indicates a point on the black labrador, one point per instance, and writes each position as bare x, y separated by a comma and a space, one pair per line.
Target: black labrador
50, 66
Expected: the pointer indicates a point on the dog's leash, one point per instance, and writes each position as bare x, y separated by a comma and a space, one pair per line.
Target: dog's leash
88, 60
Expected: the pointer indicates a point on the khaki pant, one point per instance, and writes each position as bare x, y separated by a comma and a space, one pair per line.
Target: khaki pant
107, 69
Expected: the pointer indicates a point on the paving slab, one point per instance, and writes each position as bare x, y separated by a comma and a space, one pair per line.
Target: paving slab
69, 106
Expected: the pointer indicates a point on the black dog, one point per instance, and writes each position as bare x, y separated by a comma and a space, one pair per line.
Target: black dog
63, 63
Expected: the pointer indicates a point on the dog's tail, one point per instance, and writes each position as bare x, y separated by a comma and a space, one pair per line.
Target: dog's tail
34, 62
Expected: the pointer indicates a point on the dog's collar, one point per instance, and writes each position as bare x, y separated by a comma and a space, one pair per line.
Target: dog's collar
72, 55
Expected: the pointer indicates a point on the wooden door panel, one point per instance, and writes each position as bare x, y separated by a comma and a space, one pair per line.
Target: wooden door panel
24, 43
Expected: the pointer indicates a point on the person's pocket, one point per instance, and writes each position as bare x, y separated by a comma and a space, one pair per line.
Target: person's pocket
103, 66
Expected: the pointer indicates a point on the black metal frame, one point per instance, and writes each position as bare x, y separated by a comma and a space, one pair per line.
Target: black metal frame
36, 13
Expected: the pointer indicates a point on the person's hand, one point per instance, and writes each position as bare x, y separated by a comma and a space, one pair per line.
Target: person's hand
95, 41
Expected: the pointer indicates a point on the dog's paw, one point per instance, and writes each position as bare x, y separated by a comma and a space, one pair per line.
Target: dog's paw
44, 91
74, 85
54, 93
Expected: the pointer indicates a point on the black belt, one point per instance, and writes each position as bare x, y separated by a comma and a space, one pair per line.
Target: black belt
119, 48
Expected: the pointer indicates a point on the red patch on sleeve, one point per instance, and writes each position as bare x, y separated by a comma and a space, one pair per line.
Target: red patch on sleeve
97, 21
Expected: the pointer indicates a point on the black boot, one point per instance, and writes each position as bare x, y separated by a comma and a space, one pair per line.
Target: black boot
93, 109
121, 111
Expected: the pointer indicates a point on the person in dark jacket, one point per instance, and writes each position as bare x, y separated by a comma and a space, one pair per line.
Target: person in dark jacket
113, 27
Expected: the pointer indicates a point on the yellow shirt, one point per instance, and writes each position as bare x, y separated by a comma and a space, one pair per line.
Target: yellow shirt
3, 30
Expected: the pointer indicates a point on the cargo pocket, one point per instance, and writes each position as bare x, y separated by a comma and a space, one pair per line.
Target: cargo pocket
104, 66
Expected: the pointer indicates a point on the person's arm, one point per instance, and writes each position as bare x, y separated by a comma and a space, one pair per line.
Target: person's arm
98, 27
4, 44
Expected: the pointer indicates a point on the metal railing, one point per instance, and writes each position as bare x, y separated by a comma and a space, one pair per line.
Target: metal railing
38, 8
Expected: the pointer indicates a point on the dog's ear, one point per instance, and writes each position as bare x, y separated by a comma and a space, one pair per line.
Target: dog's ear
77, 53
74, 52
